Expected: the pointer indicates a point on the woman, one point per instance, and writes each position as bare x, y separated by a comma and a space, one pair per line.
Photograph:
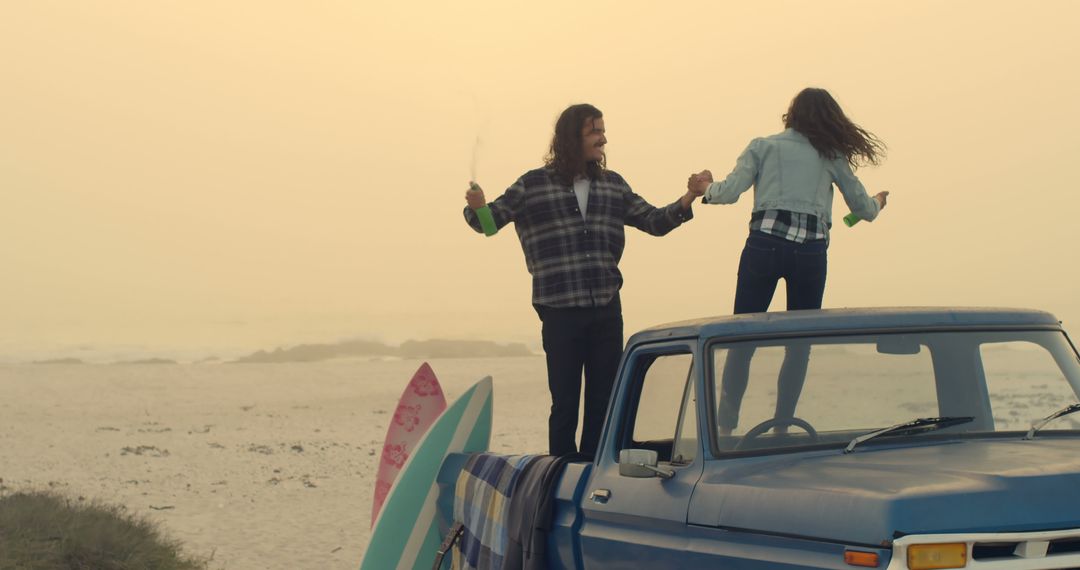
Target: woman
792, 173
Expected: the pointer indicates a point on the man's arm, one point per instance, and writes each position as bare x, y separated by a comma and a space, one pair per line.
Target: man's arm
504, 209
658, 221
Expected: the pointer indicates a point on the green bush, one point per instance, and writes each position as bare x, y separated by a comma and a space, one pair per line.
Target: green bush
41, 530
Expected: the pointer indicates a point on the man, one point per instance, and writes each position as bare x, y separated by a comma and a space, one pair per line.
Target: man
569, 216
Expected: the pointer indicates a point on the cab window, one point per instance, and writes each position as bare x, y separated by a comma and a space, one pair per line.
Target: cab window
665, 416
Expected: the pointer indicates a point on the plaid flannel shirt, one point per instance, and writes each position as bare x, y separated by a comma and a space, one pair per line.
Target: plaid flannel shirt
792, 226
574, 262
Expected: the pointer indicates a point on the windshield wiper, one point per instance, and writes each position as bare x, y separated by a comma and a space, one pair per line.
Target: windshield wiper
1039, 424
919, 425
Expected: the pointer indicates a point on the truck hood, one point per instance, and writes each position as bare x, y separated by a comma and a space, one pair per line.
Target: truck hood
879, 492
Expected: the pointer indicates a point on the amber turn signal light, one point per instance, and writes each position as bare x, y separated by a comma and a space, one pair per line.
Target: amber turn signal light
934, 556
856, 558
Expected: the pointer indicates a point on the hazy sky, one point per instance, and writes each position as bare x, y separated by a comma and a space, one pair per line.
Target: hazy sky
231, 175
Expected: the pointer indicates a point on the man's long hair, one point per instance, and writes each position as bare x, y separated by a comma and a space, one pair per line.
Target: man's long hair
815, 114
567, 156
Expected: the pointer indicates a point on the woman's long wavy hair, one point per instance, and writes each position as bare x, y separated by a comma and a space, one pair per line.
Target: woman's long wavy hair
566, 155
815, 114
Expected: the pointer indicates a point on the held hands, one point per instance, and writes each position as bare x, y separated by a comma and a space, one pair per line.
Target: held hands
695, 187
698, 183
474, 196
881, 198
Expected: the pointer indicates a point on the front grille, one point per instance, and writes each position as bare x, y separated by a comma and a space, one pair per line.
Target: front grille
1006, 550
993, 550
1064, 546
1054, 549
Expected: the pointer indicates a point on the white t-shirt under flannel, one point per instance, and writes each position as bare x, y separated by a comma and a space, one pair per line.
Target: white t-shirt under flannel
581, 190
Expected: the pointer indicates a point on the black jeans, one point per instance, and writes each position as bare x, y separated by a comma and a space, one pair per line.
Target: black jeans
576, 339
765, 260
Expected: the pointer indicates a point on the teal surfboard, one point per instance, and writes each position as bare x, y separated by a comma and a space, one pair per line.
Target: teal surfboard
406, 533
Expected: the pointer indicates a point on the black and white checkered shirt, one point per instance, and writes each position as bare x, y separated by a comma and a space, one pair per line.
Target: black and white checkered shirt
574, 262
792, 226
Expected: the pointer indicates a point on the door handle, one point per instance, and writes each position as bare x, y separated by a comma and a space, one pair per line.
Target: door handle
600, 496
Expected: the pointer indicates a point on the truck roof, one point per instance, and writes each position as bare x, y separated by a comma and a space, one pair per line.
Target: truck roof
825, 321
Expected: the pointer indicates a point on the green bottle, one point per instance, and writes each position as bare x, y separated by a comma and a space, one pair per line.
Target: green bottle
851, 220
487, 223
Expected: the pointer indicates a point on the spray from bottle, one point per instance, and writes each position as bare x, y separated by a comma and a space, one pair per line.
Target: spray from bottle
475, 153
487, 221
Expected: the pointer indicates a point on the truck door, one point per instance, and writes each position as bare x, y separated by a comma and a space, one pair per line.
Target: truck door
634, 521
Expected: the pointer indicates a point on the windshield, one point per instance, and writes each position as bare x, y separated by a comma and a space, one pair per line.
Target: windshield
781, 393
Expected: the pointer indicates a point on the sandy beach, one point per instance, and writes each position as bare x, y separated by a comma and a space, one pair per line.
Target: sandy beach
273, 465
257, 465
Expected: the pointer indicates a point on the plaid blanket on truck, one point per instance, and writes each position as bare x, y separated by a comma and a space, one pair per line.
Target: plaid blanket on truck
482, 497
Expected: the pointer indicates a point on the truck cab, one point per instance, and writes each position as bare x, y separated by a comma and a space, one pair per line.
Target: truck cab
903, 438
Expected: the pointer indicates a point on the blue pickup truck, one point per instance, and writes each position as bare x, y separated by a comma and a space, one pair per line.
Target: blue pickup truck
854, 438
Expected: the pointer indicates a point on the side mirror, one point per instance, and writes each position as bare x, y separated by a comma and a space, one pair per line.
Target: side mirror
641, 463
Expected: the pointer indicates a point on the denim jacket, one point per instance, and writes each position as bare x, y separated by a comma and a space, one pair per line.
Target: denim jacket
788, 174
